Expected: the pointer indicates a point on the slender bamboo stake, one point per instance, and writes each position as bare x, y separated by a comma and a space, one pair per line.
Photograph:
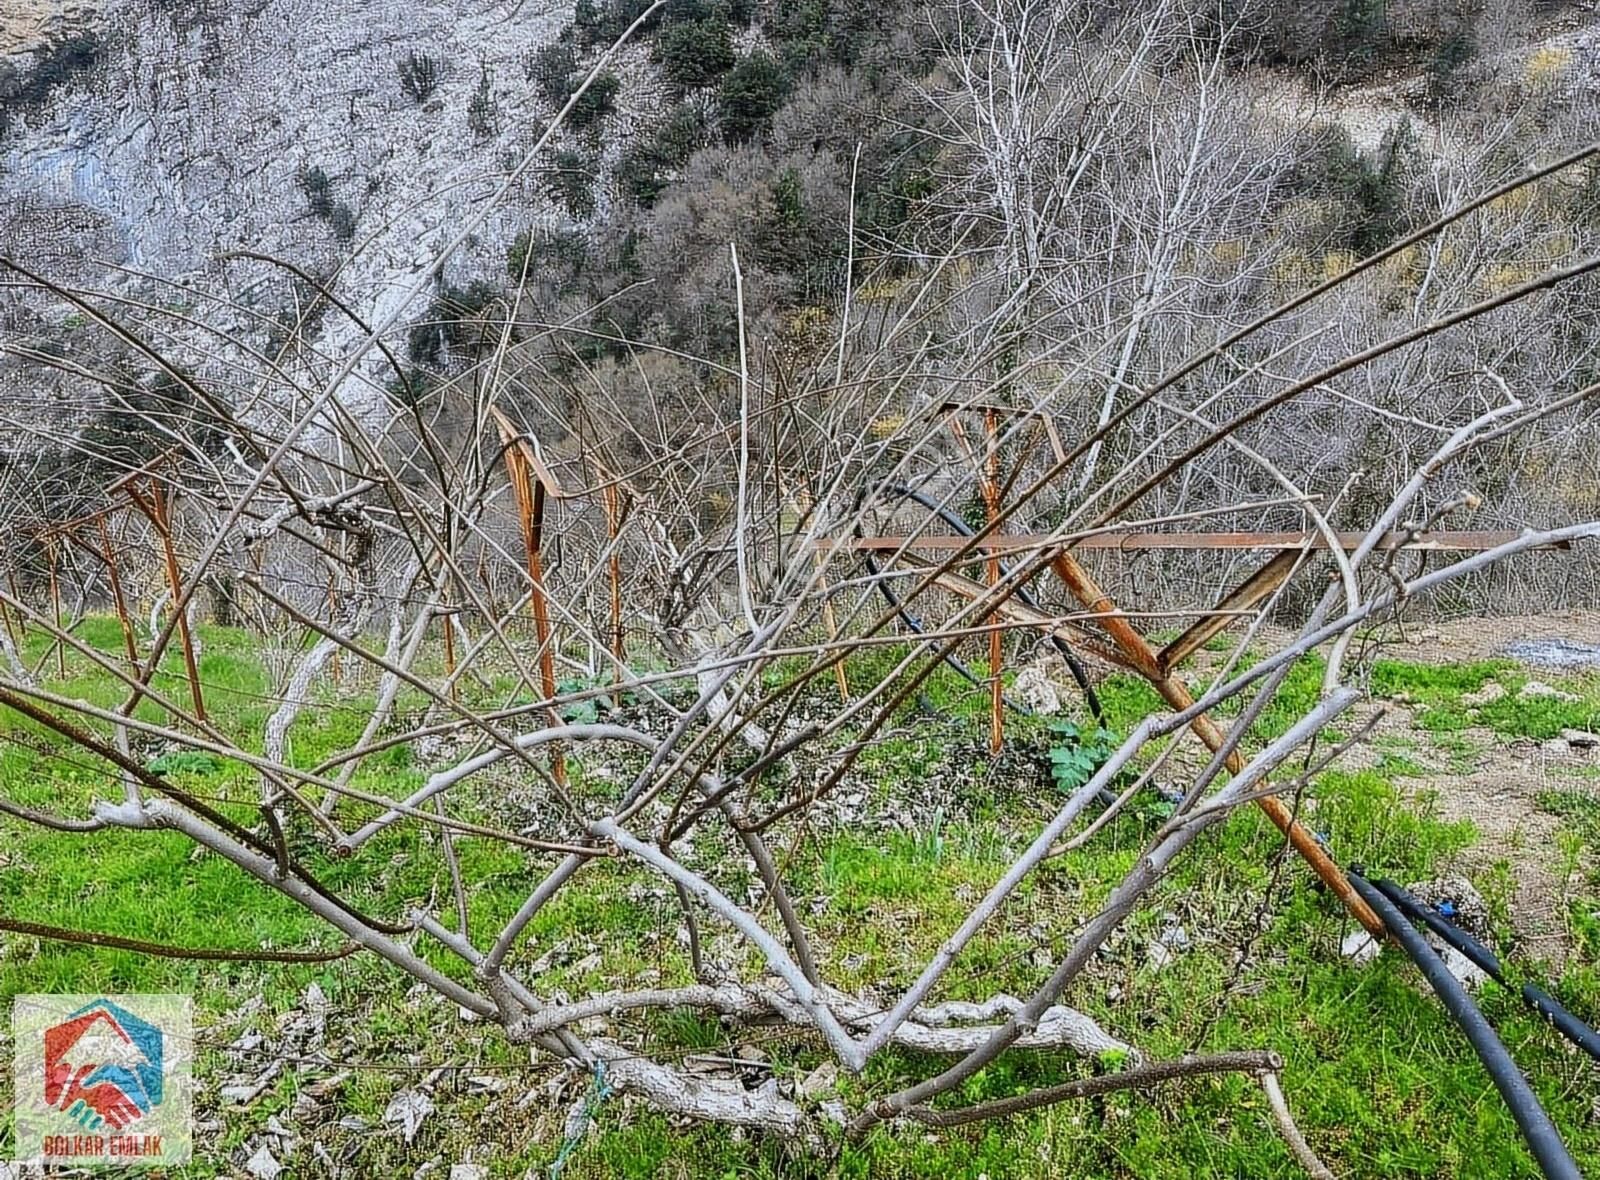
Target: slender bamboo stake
830, 619
11, 630
333, 613
20, 635
18, 629
1176, 693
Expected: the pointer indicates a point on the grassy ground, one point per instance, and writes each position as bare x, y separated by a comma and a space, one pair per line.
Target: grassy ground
1380, 1080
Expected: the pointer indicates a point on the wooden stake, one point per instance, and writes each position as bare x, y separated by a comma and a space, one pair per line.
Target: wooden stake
449, 642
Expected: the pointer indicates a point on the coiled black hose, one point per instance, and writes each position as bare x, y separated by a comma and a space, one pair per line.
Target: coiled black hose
1564, 1022
1540, 1133
1075, 665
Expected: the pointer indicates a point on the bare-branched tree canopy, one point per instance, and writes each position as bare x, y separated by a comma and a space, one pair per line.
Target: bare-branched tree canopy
1128, 305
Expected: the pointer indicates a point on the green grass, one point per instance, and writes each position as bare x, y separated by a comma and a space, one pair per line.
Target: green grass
1379, 1078
1438, 692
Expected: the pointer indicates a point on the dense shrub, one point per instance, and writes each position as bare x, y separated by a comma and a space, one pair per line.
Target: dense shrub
647, 166
1369, 195
595, 103
449, 331
483, 113
571, 183
343, 222
419, 75
318, 189
695, 54
1448, 64
58, 65
544, 252
602, 21
811, 32
149, 410
750, 95
551, 68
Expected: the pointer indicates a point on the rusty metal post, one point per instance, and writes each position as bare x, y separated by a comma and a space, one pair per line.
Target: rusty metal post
20, 635
55, 606
158, 510
990, 484
118, 598
448, 615
613, 529
530, 512
1176, 693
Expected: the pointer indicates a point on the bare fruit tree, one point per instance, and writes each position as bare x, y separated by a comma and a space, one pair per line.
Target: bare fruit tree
712, 572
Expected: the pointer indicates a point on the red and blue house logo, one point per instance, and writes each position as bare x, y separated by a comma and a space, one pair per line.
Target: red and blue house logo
102, 1080
102, 1066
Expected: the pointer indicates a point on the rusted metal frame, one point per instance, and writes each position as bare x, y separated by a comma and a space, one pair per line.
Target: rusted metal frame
1252, 590
613, 506
1176, 693
1471, 541
529, 491
55, 605
1022, 615
987, 471
157, 509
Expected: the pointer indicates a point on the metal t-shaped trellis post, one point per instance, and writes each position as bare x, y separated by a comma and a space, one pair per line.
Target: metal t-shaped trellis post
156, 505
531, 480
1144, 659
987, 470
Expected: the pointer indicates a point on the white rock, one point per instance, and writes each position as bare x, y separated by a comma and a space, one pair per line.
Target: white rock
1538, 688
1579, 739
819, 1081
1359, 947
1463, 968
262, 1165
407, 1109
1488, 694
468, 1172
1035, 690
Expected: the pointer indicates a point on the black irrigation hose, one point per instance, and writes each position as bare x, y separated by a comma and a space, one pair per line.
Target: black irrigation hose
1540, 1133
1568, 1025
1079, 672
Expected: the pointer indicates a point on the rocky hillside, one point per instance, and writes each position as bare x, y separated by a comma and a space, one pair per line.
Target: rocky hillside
341, 135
